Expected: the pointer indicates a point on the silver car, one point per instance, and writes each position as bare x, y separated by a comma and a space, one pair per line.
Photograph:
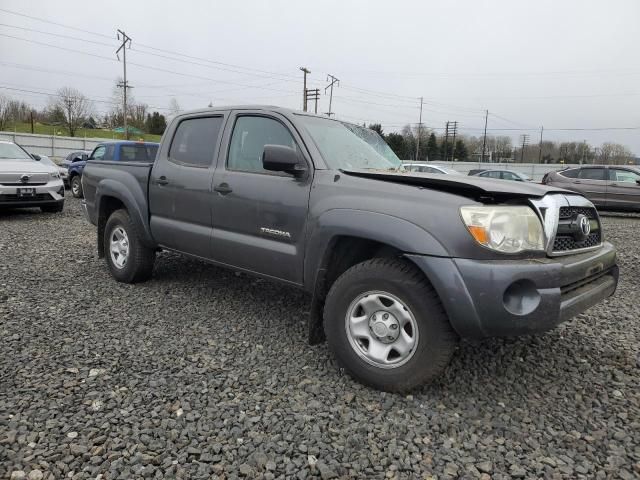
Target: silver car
427, 168
27, 182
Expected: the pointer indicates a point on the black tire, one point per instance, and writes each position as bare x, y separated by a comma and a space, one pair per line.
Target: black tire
140, 259
57, 208
76, 186
436, 341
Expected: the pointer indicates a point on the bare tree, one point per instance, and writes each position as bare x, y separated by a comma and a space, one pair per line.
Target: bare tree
174, 107
74, 106
614, 154
139, 114
5, 103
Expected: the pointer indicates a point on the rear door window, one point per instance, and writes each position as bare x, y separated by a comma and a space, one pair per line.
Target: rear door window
623, 175
572, 173
196, 141
592, 173
138, 153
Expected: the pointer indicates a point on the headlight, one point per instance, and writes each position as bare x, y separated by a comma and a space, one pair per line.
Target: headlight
508, 229
54, 175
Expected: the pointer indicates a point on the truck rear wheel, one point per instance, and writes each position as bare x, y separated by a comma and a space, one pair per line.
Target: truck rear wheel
386, 326
128, 259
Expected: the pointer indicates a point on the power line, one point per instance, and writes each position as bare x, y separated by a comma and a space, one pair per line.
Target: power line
59, 35
55, 23
93, 99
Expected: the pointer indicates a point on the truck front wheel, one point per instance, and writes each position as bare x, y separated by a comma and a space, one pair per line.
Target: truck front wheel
386, 326
128, 259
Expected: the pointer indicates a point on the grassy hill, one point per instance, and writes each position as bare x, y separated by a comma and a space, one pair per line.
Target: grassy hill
80, 133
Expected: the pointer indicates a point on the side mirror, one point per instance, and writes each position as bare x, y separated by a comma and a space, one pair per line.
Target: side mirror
35, 156
638, 181
278, 158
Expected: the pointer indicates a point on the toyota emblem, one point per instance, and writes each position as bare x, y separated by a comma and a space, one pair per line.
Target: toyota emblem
25, 178
585, 226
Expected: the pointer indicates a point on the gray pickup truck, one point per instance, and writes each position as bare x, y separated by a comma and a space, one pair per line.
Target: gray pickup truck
399, 265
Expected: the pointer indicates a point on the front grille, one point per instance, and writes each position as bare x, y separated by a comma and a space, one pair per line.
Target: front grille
566, 240
571, 287
569, 212
12, 197
21, 184
564, 243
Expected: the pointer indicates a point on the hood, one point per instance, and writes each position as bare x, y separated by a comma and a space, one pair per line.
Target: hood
471, 187
24, 166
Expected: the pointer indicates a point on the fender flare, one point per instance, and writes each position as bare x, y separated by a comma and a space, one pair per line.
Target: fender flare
401, 234
133, 199
337, 223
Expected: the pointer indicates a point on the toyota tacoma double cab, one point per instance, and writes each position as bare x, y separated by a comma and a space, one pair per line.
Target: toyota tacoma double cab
400, 265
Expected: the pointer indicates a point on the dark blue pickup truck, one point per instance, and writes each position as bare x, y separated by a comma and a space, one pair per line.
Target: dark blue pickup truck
126, 151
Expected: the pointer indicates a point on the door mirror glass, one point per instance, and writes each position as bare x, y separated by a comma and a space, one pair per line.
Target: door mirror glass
278, 158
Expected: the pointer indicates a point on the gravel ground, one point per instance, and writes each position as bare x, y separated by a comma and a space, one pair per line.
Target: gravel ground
203, 373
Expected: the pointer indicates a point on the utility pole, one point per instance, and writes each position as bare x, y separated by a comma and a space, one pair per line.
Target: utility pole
540, 148
584, 150
484, 137
446, 139
453, 142
525, 142
124, 84
304, 88
312, 94
336, 82
419, 125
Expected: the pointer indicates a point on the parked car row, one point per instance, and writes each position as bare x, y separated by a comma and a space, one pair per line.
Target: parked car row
608, 187
33, 180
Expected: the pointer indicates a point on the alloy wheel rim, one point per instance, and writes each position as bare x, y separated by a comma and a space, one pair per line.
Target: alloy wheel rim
381, 329
119, 247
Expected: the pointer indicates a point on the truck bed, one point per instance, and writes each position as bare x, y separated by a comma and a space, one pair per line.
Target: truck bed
101, 176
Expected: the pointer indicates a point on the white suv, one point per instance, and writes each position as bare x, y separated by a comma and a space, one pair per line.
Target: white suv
26, 182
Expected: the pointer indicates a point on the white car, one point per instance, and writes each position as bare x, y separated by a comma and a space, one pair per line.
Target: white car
427, 168
64, 172
27, 182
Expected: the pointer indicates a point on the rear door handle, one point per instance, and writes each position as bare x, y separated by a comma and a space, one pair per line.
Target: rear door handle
223, 188
162, 180
577, 181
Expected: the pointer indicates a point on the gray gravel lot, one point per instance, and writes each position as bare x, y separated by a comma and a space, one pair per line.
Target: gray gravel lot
203, 373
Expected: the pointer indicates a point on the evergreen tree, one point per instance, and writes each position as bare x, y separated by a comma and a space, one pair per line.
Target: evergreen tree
156, 123
432, 147
397, 144
460, 152
377, 127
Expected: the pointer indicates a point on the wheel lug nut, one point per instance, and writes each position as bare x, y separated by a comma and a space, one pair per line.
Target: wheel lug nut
394, 326
390, 337
385, 316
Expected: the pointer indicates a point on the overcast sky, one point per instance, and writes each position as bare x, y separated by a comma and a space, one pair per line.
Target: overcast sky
558, 64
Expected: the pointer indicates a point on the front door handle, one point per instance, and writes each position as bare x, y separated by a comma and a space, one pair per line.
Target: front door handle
162, 180
223, 188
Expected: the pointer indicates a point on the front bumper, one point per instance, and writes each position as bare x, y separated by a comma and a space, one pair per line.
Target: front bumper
517, 297
50, 193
